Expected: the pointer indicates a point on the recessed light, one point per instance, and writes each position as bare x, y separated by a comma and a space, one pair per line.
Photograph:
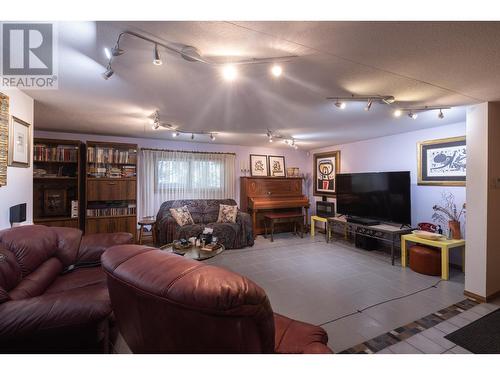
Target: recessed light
398, 113
229, 72
276, 70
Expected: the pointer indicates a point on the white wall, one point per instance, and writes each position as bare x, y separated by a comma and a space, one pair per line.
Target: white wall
399, 153
293, 158
19, 188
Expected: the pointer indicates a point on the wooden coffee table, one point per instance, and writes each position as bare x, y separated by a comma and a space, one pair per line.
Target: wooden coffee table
194, 252
285, 217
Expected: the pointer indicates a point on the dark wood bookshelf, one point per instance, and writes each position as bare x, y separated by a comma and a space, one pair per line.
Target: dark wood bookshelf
62, 161
115, 198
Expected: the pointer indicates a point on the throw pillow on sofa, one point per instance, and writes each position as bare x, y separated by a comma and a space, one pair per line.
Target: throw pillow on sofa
227, 214
182, 216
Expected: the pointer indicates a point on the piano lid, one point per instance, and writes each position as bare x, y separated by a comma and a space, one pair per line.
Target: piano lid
278, 202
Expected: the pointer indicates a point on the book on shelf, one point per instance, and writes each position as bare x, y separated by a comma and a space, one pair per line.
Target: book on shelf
110, 155
43, 152
125, 171
111, 209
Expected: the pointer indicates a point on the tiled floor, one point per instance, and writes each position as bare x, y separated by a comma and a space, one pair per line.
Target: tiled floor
326, 284
432, 341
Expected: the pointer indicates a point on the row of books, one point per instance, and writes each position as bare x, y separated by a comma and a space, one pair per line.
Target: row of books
111, 155
126, 171
44, 152
111, 211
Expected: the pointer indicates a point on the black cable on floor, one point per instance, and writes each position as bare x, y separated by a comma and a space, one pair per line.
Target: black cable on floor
359, 311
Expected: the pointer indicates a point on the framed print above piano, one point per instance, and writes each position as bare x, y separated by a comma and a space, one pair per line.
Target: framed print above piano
258, 166
326, 166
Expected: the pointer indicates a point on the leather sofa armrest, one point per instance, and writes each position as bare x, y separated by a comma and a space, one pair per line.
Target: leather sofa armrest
93, 245
166, 229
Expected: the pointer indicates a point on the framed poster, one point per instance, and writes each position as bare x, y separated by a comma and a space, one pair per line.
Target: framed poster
442, 162
4, 137
277, 166
19, 143
326, 166
258, 165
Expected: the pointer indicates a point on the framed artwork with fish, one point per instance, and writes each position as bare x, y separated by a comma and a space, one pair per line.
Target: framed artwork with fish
442, 162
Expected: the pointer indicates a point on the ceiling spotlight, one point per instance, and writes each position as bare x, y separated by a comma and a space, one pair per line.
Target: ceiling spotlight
156, 125
192, 136
230, 73
441, 114
369, 105
340, 105
212, 137
175, 134
412, 115
156, 56
389, 99
270, 140
107, 53
397, 113
108, 73
276, 70
117, 51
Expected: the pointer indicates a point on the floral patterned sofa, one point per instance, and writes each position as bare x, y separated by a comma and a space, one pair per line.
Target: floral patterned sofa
204, 213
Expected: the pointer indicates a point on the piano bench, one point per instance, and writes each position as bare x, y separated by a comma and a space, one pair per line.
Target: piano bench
285, 217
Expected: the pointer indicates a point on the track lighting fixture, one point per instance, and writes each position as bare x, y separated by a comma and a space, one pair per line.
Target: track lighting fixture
397, 113
340, 101
175, 134
190, 53
108, 73
441, 114
340, 105
412, 115
413, 112
192, 136
276, 70
369, 105
290, 141
212, 137
156, 56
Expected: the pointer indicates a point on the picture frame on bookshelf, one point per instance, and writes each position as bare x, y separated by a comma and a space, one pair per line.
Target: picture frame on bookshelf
55, 202
19, 143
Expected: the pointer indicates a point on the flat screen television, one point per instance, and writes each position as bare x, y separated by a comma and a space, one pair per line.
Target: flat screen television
383, 196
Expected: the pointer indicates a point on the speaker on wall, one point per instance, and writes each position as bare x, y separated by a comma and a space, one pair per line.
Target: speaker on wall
17, 214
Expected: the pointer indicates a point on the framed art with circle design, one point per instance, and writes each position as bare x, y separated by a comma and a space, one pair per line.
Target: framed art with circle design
326, 166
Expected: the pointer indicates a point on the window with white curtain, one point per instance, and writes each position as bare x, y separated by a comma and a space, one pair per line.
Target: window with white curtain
168, 175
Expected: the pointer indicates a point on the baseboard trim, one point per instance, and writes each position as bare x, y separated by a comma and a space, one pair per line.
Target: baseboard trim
481, 298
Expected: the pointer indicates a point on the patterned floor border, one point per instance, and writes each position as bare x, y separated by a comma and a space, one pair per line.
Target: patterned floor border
402, 333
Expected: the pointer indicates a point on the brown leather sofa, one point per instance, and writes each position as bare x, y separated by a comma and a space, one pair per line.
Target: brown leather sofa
165, 303
44, 309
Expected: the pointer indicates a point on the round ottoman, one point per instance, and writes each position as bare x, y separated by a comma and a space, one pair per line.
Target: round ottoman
425, 260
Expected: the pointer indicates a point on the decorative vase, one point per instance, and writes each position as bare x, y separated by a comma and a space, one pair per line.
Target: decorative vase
455, 229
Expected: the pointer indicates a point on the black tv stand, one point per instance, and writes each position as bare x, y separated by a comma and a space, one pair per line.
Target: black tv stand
362, 221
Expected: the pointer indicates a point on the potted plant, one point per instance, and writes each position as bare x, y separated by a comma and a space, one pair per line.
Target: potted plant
447, 212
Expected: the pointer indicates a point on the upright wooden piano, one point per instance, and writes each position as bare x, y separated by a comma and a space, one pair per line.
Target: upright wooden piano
260, 195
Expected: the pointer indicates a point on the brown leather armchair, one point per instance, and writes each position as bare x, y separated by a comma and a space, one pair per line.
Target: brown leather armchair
44, 309
165, 303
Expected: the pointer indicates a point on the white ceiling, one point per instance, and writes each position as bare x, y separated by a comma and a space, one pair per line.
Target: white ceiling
420, 63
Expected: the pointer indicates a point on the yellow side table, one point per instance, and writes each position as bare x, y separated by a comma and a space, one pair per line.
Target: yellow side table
443, 245
314, 219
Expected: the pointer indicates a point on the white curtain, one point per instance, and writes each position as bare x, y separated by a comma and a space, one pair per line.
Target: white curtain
168, 175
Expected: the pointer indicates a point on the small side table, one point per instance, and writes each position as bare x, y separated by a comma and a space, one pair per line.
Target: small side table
443, 245
314, 219
147, 234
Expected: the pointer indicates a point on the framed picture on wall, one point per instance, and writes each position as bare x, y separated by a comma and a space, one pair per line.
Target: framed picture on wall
277, 166
326, 166
4, 137
258, 165
19, 143
442, 162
